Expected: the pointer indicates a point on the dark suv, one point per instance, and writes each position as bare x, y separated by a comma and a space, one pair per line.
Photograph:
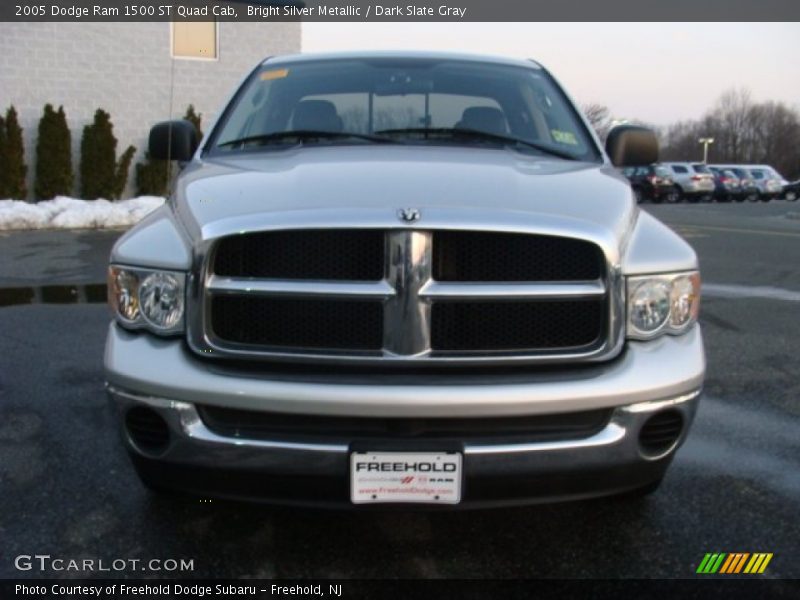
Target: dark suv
652, 183
746, 183
727, 186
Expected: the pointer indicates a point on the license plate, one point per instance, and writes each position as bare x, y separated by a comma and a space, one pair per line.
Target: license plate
415, 477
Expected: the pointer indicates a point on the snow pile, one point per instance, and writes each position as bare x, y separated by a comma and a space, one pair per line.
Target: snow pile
69, 213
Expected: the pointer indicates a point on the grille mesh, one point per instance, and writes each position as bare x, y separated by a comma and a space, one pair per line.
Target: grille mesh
546, 325
489, 256
270, 425
335, 254
298, 323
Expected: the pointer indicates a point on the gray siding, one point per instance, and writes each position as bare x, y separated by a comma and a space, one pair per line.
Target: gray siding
124, 68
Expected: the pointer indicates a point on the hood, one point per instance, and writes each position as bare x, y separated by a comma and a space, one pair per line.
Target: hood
327, 184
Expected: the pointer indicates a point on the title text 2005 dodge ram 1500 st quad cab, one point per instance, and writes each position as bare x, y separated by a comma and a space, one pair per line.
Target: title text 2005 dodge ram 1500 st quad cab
392, 278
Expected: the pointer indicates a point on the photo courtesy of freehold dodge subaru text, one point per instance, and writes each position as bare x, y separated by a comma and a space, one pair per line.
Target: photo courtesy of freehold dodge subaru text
340, 299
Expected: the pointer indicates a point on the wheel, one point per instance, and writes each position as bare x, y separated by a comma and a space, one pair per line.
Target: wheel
791, 196
637, 193
672, 197
679, 197
753, 197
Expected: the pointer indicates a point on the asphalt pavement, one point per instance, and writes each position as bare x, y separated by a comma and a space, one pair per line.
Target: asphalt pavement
68, 490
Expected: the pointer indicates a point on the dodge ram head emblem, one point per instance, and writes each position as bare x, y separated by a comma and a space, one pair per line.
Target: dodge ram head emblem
408, 215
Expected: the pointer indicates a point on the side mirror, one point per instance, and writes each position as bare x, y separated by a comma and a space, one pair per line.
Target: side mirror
632, 146
173, 140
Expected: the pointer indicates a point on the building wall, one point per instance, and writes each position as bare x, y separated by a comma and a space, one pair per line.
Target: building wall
125, 69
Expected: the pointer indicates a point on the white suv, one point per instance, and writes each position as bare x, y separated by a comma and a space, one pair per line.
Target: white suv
694, 180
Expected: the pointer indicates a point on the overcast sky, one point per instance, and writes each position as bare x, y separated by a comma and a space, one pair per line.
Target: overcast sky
657, 72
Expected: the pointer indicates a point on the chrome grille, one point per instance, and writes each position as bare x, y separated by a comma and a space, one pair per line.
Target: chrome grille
428, 306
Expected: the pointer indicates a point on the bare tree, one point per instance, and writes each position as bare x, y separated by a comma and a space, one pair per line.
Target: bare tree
599, 116
734, 110
744, 132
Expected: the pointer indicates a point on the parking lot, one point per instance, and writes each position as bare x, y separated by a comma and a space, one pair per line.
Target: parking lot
67, 488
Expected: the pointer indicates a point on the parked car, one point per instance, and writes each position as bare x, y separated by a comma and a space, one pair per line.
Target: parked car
768, 186
377, 305
773, 174
651, 184
693, 181
727, 186
747, 183
791, 191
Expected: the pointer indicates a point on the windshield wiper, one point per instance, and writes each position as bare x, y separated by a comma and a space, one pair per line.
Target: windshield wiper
475, 134
305, 135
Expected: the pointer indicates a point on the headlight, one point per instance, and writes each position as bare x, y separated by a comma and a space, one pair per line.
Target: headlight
146, 298
123, 294
649, 306
161, 299
660, 304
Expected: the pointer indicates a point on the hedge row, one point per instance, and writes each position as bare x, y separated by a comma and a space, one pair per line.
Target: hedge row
102, 174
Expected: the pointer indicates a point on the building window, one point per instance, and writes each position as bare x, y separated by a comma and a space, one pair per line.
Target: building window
195, 40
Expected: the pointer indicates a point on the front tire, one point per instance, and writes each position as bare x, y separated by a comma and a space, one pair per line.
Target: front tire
672, 197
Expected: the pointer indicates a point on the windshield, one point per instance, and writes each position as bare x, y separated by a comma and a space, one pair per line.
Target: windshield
395, 98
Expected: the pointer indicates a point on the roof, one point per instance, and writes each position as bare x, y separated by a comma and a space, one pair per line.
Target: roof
500, 60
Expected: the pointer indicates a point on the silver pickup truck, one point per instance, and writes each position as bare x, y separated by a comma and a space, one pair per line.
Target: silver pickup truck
403, 278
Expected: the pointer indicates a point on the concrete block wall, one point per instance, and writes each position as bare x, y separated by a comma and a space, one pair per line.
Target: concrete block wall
125, 69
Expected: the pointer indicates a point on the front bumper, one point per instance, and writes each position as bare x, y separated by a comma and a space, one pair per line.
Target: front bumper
649, 378
164, 368
200, 462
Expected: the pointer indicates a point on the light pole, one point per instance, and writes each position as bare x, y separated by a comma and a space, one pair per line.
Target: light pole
705, 141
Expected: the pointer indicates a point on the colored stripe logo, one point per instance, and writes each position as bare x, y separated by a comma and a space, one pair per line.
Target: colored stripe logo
734, 562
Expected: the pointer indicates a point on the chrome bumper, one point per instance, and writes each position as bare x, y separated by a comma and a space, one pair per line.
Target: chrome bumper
190, 436
164, 368
607, 462
648, 377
